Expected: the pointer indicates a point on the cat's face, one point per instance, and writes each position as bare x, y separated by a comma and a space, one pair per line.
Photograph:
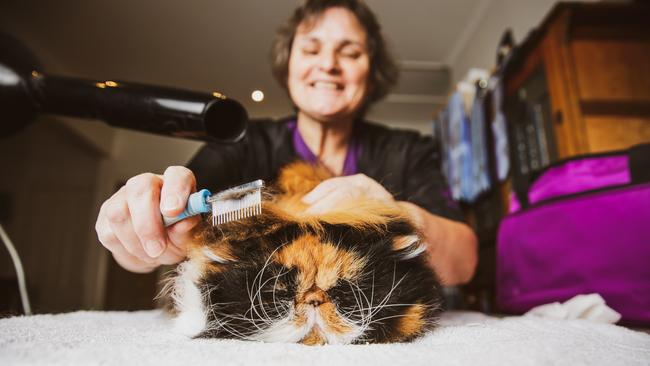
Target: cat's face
352, 276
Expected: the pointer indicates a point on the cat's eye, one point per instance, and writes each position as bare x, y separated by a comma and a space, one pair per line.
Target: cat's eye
281, 282
278, 288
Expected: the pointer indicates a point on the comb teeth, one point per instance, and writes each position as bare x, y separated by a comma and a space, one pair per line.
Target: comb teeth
246, 204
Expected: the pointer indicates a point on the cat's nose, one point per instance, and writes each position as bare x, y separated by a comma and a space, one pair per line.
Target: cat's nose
315, 296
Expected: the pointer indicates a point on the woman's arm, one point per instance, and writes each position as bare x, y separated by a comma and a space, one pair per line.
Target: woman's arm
452, 245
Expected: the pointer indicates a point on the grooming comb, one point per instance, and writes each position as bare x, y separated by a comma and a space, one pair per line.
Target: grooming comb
234, 203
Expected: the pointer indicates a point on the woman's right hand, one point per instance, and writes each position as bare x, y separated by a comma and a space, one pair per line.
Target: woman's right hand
130, 225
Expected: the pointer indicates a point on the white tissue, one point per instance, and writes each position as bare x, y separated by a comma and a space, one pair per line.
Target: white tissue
590, 307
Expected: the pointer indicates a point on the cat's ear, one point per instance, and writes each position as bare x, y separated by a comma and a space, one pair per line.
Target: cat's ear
408, 246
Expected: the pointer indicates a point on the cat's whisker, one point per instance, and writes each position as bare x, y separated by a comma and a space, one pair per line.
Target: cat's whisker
372, 291
275, 285
386, 306
389, 294
260, 275
252, 309
377, 308
374, 321
275, 279
379, 320
346, 314
364, 316
367, 313
211, 306
356, 298
252, 295
258, 296
239, 317
232, 331
219, 324
225, 302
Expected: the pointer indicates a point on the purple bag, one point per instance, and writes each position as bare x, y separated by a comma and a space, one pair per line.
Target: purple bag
582, 226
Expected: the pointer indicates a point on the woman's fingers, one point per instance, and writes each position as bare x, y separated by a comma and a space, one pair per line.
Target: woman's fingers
115, 217
334, 190
328, 202
179, 184
130, 225
121, 255
143, 197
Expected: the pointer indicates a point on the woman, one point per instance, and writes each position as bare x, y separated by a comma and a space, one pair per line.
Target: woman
331, 58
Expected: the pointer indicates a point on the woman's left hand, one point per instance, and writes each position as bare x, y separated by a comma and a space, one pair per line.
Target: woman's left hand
332, 191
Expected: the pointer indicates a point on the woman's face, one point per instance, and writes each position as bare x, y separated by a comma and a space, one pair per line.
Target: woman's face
329, 66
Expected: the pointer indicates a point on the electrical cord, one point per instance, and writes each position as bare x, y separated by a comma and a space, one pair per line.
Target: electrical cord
19, 270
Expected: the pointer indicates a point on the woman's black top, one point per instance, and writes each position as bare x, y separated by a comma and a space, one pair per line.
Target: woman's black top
406, 163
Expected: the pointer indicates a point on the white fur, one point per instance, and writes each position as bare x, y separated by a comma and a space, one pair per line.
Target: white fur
192, 317
286, 330
208, 253
333, 338
415, 247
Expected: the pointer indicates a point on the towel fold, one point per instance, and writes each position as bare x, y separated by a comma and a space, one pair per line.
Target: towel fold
590, 307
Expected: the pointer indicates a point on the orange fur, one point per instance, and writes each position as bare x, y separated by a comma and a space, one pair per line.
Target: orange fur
299, 178
320, 264
313, 338
333, 321
411, 323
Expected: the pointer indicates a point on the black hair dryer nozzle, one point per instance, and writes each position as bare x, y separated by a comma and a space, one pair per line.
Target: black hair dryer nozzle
25, 92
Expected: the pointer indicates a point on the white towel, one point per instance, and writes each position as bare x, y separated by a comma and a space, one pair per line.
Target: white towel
145, 338
590, 307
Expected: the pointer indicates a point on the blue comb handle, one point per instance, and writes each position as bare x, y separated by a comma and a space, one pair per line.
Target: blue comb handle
197, 203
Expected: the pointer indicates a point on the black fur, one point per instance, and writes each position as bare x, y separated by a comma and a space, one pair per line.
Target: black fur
231, 314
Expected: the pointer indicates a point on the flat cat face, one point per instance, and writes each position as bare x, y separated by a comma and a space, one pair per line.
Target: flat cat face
354, 275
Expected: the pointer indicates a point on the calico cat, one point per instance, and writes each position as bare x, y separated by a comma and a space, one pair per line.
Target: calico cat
356, 274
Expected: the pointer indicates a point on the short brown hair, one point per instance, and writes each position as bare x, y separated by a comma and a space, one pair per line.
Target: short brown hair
383, 71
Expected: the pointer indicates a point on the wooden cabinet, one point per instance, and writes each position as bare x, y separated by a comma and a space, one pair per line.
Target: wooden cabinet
579, 83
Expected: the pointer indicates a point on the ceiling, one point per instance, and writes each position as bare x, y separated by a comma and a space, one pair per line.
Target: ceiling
211, 45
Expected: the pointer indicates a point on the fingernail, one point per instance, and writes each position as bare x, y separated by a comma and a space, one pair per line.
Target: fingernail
153, 248
170, 203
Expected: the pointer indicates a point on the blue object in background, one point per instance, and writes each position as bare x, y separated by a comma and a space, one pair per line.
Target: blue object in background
480, 179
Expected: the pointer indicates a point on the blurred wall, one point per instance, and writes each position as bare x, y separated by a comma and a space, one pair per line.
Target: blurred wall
486, 26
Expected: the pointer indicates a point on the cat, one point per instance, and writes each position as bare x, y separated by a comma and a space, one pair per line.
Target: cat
356, 274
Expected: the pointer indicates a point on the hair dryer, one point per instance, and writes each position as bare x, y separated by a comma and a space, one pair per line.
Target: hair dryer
25, 92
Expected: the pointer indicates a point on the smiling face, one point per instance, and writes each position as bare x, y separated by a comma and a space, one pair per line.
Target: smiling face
329, 66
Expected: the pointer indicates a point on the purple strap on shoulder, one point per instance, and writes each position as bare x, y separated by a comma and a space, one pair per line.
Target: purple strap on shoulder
303, 151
